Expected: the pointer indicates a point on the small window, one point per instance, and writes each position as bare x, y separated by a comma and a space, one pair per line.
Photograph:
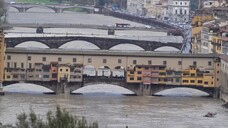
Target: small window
177, 80
8, 57
66, 70
205, 82
59, 59
185, 81
194, 63
139, 78
8, 64
22, 65
139, 72
74, 59
15, 65
89, 60
61, 69
200, 81
217, 72
164, 62
30, 65
119, 61
209, 63
179, 62
29, 57
131, 78
44, 58
192, 81
104, 61
54, 75
134, 62
131, 72
149, 62
193, 74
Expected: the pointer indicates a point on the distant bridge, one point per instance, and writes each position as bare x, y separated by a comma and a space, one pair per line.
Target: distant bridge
102, 43
55, 7
147, 21
65, 25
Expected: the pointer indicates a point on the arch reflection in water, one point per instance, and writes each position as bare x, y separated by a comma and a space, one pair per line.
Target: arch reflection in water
106, 89
26, 88
182, 92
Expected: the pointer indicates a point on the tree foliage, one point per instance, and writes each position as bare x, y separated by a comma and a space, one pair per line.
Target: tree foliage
60, 119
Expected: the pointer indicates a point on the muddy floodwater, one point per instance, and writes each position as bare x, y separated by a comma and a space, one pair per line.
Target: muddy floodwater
116, 111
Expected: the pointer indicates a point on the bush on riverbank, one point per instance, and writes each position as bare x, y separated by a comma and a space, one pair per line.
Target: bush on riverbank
60, 119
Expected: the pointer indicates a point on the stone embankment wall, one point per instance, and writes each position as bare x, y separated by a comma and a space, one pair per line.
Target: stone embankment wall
224, 86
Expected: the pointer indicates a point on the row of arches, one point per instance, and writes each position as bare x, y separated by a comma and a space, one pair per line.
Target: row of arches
100, 88
41, 9
79, 44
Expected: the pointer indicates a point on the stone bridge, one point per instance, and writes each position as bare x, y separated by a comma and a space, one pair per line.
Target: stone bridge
100, 42
137, 88
147, 21
55, 7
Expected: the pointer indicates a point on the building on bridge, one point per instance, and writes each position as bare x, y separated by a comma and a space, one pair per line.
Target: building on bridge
163, 75
142, 68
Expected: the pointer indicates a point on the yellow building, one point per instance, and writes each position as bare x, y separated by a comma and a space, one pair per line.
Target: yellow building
217, 44
200, 17
2, 56
198, 76
63, 72
134, 75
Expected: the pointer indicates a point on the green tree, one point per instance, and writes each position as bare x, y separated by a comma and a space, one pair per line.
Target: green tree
59, 119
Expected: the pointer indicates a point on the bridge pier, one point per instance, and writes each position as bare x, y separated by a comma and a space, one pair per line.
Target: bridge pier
22, 10
1, 90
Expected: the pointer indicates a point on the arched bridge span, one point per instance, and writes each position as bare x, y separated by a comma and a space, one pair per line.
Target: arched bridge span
137, 88
102, 43
56, 8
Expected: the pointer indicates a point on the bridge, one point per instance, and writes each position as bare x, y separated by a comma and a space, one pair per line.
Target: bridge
57, 8
142, 20
100, 42
161, 65
93, 26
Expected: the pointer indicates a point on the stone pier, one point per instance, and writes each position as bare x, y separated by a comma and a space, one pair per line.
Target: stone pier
1, 90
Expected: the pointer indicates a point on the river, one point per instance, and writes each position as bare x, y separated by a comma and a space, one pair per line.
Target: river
111, 111
119, 111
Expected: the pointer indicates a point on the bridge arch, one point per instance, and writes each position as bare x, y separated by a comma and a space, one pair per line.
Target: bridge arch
26, 88
166, 49
104, 89
127, 46
79, 44
47, 8
32, 44
13, 9
183, 91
